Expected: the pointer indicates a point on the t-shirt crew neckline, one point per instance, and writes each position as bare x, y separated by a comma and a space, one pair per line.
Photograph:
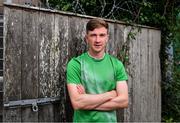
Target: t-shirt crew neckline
96, 59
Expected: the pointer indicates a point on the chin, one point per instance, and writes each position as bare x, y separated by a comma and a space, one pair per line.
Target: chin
98, 51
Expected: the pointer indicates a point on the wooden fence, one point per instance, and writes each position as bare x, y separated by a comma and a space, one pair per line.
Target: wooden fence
38, 43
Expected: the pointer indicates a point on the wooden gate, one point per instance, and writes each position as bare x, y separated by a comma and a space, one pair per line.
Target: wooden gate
34, 67
39, 43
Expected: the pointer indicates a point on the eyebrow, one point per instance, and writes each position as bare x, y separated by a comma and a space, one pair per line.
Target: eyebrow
98, 34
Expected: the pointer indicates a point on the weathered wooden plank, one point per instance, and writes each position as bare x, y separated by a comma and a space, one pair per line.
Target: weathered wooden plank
153, 71
45, 55
12, 61
46, 113
110, 47
136, 115
30, 63
144, 84
117, 41
128, 116
150, 72
61, 39
77, 44
46, 63
158, 75
133, 71
27, 115
155, 36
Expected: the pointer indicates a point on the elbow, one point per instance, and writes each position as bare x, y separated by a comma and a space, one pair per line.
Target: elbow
76, 106
126, 103
79, 106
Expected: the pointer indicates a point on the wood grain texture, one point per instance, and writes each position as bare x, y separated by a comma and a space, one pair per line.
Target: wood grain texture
29, 61
117, 40
136, 116
77, 43
61, 33
144, 84
12, 61
128, 113
46, 64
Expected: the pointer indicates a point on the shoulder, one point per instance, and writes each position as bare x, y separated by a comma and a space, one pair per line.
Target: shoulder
76, 61
120, 71
115, 60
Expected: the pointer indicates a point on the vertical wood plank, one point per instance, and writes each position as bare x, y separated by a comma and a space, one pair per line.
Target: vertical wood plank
30, 62
110, 47
136, 80
118, 41
153, 72
61, 36
155, 37
155, 85
12, 61
128, 113
158, 75
46, 64
144, 84
77, 44
150, 68
133, 71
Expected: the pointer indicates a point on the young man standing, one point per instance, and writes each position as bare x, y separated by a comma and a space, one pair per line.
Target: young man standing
96, 81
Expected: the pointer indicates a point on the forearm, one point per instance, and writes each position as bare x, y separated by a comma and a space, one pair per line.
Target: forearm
91, 101
115, 103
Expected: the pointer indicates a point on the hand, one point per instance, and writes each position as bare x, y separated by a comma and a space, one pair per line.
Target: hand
80, 89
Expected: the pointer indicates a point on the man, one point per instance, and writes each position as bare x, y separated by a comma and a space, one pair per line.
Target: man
96, 81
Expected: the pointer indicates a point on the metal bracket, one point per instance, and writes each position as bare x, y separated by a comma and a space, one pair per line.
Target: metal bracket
31, 102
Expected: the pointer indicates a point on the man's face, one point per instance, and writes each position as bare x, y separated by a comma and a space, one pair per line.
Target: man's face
97, 39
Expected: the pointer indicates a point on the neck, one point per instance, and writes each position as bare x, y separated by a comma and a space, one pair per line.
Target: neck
96, 55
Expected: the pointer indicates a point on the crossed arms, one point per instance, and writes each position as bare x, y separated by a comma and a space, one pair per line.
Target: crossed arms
106, 101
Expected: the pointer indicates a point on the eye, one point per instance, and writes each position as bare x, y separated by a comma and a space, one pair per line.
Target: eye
102, 35
93, 35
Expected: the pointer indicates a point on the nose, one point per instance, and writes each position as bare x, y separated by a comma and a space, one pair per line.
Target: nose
98, 39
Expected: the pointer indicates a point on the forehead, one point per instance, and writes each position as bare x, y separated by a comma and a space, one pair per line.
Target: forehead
98, 30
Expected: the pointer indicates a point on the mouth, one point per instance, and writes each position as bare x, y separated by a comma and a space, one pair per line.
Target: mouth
97, 45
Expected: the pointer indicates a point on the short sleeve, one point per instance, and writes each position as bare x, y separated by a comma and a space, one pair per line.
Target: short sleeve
120, 71
73, 74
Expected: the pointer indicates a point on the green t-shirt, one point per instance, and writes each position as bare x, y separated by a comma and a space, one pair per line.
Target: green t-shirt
97, 76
